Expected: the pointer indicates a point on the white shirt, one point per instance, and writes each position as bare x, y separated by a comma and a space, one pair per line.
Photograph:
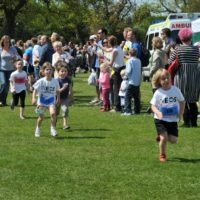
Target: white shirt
167, 102
36, 52
46, 90
64, 56
19, 80
119, 59
123, 88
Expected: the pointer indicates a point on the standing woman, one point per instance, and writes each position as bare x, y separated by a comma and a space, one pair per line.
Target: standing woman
157, 60
117, 64
8, 54
187, 76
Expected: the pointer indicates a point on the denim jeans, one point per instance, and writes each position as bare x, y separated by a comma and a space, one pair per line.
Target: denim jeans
5, 90
132, 92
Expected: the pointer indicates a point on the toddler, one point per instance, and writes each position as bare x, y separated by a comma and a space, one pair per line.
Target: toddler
168, 107
104, 80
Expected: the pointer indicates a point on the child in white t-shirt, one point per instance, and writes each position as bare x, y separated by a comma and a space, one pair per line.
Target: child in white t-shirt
18, 83
123, 88
47, 89
168, 107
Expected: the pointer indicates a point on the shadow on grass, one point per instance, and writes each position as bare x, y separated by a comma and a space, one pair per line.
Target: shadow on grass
184, 160
88, 129
83, 100
78, 137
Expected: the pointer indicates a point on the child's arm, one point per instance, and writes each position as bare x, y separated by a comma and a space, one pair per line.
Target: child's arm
182, 108
58, 97
114, 54
12, 86
65, 86
34, 97
157, 112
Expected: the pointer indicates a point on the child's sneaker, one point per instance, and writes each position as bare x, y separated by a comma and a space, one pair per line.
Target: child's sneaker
37, 132
126, 114
21, 117
66, 127
53, 132
163, 158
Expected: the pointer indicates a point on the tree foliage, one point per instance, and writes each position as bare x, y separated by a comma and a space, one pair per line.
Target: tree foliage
76, 19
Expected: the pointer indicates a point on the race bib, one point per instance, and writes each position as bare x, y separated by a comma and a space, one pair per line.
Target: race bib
169, 111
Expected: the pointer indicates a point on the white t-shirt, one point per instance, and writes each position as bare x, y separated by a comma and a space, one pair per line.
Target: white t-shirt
46, 90
123, 88
167, 101
119, 59
36, 52
64, 56
19, 80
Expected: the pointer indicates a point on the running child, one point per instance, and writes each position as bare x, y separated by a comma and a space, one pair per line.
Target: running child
47, 90
168, 107
19, 84
65, 91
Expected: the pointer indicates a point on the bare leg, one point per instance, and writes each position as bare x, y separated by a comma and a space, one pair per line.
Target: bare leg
21, 113
163, 143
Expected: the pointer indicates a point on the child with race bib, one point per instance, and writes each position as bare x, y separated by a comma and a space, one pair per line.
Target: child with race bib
47, 90
168, 107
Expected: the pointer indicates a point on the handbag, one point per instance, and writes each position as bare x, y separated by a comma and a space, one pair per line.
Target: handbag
173, 68
92, 80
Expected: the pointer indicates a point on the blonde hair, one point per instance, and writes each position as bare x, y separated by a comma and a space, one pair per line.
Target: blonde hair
57, 44
105, 66
157, 43
46, 65
157, 76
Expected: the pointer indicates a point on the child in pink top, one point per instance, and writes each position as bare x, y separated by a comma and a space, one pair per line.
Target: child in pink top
104, 80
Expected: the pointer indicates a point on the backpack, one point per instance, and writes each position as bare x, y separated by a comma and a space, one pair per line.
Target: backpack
145, 55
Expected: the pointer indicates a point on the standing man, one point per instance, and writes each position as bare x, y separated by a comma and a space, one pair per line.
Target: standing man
102, 34
168, 42
46, 50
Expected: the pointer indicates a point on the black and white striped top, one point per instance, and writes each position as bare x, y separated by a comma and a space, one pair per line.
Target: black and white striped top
188, 75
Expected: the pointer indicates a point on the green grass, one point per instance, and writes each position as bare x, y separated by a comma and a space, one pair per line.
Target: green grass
104, 156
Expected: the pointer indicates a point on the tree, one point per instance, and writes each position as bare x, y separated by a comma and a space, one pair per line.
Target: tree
193, 6
173, 6
11, 9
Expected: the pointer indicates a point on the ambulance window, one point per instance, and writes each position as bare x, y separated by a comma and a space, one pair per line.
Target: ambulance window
156, 34
172, 17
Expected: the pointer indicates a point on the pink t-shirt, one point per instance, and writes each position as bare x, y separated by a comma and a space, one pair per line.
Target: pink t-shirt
104, 80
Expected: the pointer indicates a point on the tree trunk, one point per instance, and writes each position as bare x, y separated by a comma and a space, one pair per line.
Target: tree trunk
9, 23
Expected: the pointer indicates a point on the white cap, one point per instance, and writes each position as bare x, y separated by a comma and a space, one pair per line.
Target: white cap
93, 37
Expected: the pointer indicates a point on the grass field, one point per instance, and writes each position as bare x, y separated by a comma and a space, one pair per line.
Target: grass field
104, 156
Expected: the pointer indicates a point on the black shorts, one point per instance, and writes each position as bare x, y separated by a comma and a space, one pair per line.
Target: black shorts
171, 128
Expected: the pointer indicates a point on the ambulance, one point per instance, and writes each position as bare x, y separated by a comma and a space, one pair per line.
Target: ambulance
174, 22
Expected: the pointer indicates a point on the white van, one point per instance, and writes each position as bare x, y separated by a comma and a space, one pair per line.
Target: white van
174, 22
